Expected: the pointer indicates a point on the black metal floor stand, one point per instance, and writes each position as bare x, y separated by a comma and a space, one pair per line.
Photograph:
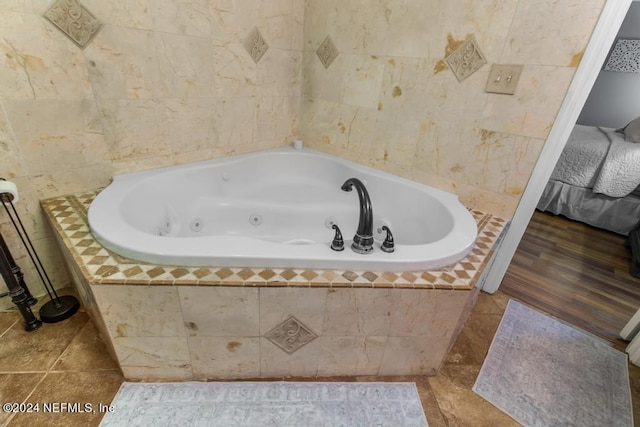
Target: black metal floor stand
59, 308
20, 296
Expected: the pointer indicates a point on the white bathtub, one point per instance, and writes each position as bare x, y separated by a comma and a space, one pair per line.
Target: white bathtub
275, 208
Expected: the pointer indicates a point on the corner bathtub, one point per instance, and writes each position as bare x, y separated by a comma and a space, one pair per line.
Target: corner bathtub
275, 208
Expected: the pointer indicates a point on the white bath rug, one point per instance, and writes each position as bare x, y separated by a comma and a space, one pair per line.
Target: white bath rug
543, 372
294, 404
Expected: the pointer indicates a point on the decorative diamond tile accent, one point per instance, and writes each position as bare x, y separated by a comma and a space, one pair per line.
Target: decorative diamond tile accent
255, 45
74, 20
291, 335
466, 60
327, 52
68, 215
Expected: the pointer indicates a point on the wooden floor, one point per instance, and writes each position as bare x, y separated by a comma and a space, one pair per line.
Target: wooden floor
577, 273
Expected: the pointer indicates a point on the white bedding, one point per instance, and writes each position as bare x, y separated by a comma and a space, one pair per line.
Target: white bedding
580, 161
620, 171
600, 159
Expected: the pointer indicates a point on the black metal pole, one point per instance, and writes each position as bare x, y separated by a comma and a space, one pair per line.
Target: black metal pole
59, 308
31, 300
18, 295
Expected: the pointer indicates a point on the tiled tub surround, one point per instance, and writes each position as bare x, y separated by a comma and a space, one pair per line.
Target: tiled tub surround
166, 82
181, 323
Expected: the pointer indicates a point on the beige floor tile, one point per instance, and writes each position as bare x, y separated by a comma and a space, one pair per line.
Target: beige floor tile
86, 352
15, 388
92, 388
474, 341
37, 351
460, 405
8, 319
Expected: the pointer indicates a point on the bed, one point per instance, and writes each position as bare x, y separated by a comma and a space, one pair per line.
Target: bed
597, 179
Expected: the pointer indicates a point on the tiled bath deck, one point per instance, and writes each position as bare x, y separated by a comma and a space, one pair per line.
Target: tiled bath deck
220, 322
100, 266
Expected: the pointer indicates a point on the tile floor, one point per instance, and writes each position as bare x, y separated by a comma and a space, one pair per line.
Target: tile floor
67, 363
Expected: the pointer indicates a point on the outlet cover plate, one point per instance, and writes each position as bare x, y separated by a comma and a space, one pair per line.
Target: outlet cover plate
503, 78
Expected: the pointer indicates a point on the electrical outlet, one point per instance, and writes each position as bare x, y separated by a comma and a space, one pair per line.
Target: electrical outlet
503, 78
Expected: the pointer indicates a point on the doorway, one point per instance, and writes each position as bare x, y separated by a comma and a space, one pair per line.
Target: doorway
604, 34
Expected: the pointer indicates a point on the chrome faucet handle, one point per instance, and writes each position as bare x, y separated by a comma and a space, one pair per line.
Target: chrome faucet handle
388, 244
338, 242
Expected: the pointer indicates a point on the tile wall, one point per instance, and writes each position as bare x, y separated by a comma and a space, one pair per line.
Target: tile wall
389, 100
167, 81
161, 82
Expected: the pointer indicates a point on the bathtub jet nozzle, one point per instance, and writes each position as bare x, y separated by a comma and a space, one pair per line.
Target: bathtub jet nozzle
363, 239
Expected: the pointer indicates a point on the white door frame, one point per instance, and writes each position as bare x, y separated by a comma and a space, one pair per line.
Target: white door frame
604, 34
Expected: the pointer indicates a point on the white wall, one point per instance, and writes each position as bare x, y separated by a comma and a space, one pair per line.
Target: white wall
613, 101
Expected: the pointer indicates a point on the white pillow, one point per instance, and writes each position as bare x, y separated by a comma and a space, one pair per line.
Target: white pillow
632, 130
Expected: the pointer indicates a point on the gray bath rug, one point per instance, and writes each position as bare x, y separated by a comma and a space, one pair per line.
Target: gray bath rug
543, 372
230, 404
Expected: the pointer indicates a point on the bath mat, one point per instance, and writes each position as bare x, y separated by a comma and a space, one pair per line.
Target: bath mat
543, 372
229, 404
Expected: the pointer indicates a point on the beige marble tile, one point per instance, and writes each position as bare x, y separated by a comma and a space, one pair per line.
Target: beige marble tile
154, 358
278, 73
219, 311
321, 83
237, 121
503, 205
57, 132
190, 18
27, 6
450, 308
274, 362
276, 118
281, 23
488, 151
185, 63
329, 124
413, 355
362, 82
38, 60
532, 110
350, 355
446, 100
358, 312
306, 305
232, 21
413, 313
122, 13
140, 164
140, 311
71, 181
11, 161
225, 357
193, 123
564, 35
125, 63
135, 128
235, 72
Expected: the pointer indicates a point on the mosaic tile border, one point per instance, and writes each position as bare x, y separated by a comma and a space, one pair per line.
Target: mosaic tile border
68, 215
